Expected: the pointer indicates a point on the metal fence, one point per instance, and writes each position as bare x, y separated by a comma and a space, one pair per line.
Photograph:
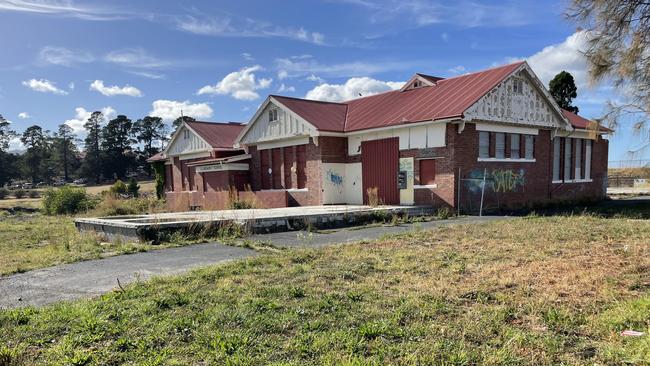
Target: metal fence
628, 164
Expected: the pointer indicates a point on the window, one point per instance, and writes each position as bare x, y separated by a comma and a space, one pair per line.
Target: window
578, 169
484, 145
567, 158
273, 115
515, 138
588, 159
427, 171
530, 146
518, 86
500, 145
557, 148
417, 84
186, 134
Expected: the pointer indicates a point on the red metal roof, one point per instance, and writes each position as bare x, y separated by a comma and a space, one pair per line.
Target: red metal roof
326, 116
218, 135
580, 122
157, 157
448, 98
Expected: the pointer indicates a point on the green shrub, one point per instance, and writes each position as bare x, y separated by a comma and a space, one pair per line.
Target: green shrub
159, 168
118, 188
33, 194
133, 189
19, 193
66, 200
112, 206
4, 192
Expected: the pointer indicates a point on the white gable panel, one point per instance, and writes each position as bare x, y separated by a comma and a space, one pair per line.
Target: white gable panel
187, 142
505, 103
287, 125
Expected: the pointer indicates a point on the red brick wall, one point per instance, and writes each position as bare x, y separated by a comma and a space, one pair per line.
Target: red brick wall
521, 184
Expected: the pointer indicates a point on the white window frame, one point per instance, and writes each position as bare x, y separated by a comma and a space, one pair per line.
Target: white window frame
567, 159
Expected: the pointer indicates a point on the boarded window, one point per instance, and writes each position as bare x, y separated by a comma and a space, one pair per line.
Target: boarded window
530, 146
557, 148
567, 158
500, 145
301, 165
427, 171
265, 166
276, 167
484, 144
588, 159
515, 152
288, 165
578, 169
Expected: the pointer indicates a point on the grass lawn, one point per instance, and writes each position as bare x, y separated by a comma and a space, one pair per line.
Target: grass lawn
35, 241
535, 290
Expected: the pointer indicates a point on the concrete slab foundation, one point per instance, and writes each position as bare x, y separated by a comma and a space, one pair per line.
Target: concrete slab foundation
155, 227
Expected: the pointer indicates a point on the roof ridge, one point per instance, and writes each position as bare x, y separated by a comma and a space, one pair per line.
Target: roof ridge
484, 70
307, 100
232, 123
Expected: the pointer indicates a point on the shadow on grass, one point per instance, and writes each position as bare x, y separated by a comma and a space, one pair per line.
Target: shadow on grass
633, 208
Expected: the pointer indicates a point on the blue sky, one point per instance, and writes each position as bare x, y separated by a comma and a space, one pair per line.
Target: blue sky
217, 60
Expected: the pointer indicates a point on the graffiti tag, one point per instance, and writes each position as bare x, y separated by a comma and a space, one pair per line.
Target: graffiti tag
334, 178
507, 180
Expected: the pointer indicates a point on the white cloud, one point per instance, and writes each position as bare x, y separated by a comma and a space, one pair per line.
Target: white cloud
564, 56
135, 58
44, 86
71, 85
63, 56
353, 88
169, 110
315, 78
241, 85
227, 25
23, 115
420, 13
283, 74
148, 75
110, 91
247, 56
15, 145
60, 7
459, 69
82, 115
286, 89
298, 67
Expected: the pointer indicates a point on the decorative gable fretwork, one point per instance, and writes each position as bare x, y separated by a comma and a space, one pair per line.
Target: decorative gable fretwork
187, 142
276, 123
515, 100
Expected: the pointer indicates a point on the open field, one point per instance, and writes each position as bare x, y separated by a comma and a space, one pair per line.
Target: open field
535, 290
145, 187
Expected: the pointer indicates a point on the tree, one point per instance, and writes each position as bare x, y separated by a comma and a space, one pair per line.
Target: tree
116, 145
563, 89
66, 150
36, 160
618, 47
151, 132
8, 167
92, 166
177, 122
6, 133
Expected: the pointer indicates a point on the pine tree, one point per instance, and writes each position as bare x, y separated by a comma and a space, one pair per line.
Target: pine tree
92, 166
151, 132
116, 145
563, 89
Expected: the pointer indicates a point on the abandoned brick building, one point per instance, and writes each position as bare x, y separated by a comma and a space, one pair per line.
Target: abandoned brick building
433, 142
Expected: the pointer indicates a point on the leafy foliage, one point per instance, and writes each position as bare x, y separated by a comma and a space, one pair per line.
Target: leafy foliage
159, 168
66, 200
118, 188
133, 189
563, 89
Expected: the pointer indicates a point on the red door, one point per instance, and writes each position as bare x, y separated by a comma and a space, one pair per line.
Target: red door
379, 166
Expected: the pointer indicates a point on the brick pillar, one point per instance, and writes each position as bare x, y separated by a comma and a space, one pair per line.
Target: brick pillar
177, 172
